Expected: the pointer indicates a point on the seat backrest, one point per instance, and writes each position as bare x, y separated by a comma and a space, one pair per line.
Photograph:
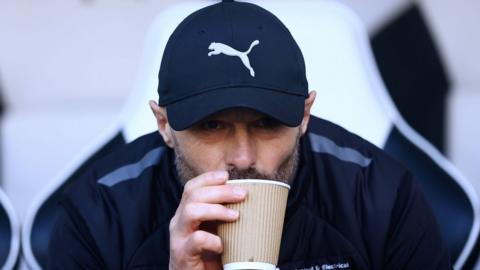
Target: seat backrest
411, 66
351, 93
340, 67
9, 234
43, 212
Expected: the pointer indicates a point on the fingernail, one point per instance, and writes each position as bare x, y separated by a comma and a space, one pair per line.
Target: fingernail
232, 213
239, 192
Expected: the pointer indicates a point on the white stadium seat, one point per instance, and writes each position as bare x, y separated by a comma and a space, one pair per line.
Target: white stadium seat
350, 93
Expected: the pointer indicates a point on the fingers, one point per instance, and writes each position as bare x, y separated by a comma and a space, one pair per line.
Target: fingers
206, 179
201, 203
195, 213
201, 241
199, 250
218, 194
209, 188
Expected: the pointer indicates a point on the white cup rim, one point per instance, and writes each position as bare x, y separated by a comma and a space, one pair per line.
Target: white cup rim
259, 181
248, 266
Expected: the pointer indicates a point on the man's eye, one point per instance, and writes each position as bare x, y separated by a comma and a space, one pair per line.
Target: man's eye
268, 122
211, 125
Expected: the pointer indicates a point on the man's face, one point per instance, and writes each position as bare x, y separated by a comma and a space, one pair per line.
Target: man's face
243, 142
246, 143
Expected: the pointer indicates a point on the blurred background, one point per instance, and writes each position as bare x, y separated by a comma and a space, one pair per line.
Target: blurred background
67, 67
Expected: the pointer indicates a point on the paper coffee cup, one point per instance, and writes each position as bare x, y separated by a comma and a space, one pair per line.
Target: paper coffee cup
253, 241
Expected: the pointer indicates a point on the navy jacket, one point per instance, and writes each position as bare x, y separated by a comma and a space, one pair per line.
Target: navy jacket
350, 207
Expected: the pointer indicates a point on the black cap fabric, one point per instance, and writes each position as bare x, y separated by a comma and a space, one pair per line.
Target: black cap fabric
229, 55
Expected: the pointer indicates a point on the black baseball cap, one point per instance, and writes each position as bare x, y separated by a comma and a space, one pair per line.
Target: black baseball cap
232, 55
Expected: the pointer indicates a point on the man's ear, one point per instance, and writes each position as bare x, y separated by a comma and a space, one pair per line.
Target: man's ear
306, 113
164, 129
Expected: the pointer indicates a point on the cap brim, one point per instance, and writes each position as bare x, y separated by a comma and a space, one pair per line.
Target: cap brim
286, 108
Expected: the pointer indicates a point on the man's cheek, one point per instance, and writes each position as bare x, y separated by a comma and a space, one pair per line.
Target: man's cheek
208, 162
273, 159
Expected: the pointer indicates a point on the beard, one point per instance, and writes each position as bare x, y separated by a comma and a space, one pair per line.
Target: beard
285, 172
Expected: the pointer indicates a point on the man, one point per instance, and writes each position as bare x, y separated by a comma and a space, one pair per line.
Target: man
234, 103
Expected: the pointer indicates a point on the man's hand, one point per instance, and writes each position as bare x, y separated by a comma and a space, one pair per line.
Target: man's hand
201, 204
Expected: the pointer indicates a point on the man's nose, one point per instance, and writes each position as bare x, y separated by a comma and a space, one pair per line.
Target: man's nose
241, 150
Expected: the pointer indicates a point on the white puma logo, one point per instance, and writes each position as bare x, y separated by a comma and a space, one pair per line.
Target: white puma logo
218, 48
